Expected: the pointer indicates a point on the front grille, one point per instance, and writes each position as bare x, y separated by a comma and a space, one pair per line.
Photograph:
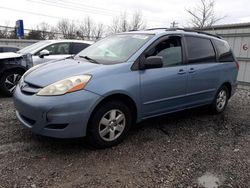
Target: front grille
28, 120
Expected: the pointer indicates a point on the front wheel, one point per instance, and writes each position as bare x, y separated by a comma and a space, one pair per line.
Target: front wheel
109, 124
9, 81
221, 99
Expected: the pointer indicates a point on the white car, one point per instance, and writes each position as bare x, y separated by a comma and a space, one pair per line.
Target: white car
48, 50
13, 65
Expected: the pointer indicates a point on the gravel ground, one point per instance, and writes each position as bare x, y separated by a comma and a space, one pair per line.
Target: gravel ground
187, 149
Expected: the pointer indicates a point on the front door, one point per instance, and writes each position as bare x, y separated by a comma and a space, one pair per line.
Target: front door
57, 51
163, 89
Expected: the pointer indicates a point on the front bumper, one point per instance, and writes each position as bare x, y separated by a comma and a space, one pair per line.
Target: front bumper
63, 116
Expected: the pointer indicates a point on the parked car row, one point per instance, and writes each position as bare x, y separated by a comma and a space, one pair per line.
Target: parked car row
123, 79
13, 65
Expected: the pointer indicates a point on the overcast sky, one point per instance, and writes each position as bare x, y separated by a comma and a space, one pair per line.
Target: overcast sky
157, 13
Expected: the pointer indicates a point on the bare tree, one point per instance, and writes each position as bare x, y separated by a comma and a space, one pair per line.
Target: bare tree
47, 31
34, 34
114, 27
98, 31
67, 28
86, 29
137, 21
123, 24
203, 15
4, 32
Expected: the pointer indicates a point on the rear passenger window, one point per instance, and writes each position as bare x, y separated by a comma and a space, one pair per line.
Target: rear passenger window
77, 47
200, 50
225, 54
58, 48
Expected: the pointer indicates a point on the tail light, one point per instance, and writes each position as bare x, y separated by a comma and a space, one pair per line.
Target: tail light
237, 65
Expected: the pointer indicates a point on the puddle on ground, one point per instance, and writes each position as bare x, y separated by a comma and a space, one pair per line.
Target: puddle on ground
209, 180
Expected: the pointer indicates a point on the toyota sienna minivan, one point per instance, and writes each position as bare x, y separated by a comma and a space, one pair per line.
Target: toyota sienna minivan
124, 79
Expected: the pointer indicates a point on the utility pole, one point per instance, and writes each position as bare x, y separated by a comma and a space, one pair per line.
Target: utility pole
174, 24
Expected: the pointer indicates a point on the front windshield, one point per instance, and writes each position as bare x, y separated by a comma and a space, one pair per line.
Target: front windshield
115, 49
31, 48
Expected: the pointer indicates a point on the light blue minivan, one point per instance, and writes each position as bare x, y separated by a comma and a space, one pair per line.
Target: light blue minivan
123, 79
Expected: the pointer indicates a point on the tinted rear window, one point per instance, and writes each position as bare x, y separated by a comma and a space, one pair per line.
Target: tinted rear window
77, 47
8, 49
225, 53
200, 50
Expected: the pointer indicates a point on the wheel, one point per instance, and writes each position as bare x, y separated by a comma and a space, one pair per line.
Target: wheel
109, 124
221, 99
8, 82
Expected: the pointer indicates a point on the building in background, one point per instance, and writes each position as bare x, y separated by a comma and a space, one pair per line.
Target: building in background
238, 37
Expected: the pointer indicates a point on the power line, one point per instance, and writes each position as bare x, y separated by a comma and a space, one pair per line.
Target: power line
70, 7
46, 15
79, 7
29, 12
88, 6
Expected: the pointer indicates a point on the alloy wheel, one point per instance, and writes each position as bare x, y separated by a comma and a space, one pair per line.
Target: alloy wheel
11, 81
221, 100
112, 125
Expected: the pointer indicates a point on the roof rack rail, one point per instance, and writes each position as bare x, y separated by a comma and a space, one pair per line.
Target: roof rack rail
156, 28
192, 30
183, 29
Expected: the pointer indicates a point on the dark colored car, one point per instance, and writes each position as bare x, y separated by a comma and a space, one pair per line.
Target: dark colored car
8, 49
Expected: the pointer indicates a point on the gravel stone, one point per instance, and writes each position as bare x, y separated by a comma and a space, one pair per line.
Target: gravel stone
170, 151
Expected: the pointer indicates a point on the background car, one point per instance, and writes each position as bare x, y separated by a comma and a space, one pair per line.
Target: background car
8, 49
13, 65
48, 50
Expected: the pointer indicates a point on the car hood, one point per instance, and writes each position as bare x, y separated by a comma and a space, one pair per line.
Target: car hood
9, 55
49, 73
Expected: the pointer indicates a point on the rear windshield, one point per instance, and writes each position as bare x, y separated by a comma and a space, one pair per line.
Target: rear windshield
115, 49
31, 48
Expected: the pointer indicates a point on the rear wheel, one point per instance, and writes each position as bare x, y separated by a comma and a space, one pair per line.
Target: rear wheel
9, 81
221, 99
109, 124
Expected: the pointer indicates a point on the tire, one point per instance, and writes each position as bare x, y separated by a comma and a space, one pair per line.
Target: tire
109, 124
8, 82
220, 101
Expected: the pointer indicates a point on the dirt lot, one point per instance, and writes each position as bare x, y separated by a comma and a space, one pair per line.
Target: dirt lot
188, 149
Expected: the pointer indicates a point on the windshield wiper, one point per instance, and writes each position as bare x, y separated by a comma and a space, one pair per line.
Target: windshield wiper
89, 59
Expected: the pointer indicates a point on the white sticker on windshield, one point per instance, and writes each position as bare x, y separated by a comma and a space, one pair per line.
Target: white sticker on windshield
143, 37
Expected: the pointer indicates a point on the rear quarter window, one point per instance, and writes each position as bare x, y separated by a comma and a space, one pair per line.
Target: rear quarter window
200, 50
77, 47
224, 51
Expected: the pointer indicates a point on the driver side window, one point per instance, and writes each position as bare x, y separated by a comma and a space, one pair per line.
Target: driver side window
58, 49
170, 50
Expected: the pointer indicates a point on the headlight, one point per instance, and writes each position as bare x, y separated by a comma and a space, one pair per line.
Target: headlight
67, 85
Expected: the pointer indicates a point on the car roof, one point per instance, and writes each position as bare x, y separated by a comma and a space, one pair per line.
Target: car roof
9, 47
73, 41
166, 31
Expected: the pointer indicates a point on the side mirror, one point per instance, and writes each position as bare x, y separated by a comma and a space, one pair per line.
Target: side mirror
43, 53
153, 62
